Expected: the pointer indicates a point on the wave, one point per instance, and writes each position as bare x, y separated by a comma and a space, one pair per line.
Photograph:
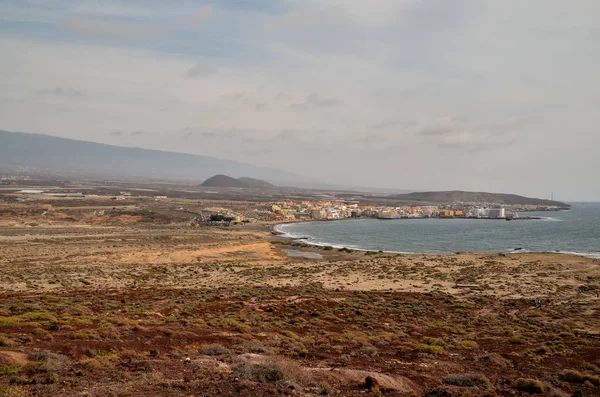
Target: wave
550, 219
303, 238
593, 255
285, 233
311, 240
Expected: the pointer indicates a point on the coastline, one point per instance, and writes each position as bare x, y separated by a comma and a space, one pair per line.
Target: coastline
304, 242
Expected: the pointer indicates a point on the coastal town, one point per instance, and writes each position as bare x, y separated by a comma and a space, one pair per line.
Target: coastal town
222, 200
334, 210
339, 210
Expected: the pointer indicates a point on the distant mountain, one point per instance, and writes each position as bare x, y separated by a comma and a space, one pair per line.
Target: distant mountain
89, 158
227, 181
257, 183
457, 196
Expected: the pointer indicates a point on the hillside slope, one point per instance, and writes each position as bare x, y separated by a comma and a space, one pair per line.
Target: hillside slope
222, 181
60, 154
244, 182
256, 183
458, 196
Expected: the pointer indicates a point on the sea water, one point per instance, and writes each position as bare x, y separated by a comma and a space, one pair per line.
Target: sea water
576, 231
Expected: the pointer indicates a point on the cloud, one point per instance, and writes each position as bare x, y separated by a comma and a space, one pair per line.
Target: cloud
121, 133
380, 61
314, 100
238, 96
200, 70
456, 133
252, 100
373, 139
285, 136
335, 15
201, 15
391, 123
63, 92
281, 96
229, 133
317, 101
216, 133
291, 20
88, 27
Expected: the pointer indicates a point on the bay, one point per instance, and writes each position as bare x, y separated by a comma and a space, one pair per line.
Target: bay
576, 231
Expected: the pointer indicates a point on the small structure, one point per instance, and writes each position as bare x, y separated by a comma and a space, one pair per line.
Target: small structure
198, 220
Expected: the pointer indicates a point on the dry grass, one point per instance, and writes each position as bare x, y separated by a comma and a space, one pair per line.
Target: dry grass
572, 376
467, 380
138, 300
529, 385
14, 391
49, 362
214, 350
273, 370
6, 342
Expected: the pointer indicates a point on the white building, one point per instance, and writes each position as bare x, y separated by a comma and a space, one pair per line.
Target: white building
496, 213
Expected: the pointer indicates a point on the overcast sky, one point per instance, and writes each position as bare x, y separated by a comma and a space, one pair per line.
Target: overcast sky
490, 95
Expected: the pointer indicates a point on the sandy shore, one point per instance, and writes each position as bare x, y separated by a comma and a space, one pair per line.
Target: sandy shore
117, 255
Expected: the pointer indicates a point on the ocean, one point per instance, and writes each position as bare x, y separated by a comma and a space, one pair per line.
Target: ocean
576, 231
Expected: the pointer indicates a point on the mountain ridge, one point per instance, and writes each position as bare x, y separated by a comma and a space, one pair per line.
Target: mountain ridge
64, 154
455, 196
258, 183
221, 180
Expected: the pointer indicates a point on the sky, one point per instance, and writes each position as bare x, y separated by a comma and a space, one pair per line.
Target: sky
484, 95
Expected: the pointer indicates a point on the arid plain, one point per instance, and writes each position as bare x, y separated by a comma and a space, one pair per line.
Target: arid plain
127, 298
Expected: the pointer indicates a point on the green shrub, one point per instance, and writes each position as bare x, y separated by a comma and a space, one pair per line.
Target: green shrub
291, 335
9, 321
40, 316
517, 340
8, 370
13, 391
80, 335
469, 344
432, 341
431, 349
235, 325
